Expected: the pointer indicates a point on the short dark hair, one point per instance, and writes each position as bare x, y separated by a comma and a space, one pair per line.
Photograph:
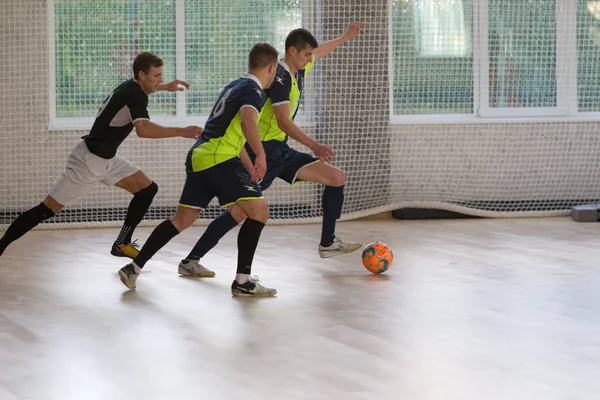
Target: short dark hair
261, 55
300, 39
144, 61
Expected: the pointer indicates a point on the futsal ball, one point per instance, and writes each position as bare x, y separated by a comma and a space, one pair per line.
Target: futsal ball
377, 257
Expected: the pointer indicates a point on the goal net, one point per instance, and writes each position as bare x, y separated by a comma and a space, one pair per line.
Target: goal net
485, 107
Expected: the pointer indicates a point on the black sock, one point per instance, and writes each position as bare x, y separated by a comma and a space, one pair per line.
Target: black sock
214, 232
24, 223
138, 207
247, 243
160, 236
333, 200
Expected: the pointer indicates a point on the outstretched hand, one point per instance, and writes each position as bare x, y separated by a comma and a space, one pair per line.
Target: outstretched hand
175, 86
191, 132
353, 30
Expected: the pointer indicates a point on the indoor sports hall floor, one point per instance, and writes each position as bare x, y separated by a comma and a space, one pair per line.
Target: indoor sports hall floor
471, 309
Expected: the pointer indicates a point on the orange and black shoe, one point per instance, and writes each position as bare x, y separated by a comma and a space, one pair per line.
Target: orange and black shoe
125, 250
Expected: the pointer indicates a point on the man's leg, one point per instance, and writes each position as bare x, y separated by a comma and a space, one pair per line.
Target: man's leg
216, 230
223, 224
29, 220
70, 187
232, 184
334, 180
143, 190
195, 196
160, 236
244, 284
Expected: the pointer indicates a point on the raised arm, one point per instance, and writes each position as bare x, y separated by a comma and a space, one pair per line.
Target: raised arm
327, 48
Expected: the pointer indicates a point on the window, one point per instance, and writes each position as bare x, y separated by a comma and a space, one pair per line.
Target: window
203, 42
441, 29
95, 43
521, 76
432, 57
588, 55
218, 37
495, 58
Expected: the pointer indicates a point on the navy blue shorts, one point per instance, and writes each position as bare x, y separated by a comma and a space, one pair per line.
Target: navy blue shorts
228, 181
283, 162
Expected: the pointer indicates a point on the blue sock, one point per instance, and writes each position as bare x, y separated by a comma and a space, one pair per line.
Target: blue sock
214, 232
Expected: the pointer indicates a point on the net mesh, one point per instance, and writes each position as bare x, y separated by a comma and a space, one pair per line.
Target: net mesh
452, 74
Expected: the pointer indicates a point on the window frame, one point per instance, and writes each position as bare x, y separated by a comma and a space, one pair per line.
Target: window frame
180, 119
566, 108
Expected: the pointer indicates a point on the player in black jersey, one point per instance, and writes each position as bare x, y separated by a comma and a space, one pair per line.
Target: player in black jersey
95, 159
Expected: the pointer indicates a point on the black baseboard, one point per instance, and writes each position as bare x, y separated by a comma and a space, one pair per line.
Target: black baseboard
494, 206
427, 213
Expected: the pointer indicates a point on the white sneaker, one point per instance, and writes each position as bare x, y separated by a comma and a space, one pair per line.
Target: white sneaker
128, 276
252, 288
194, 268
337, 248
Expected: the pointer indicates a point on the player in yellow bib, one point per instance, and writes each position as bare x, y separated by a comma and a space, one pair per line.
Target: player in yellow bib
276, 125
218, 166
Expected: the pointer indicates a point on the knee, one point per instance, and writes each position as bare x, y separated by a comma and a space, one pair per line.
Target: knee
338, 178
46, 212
237, 214
260, 212
149, 191
52, 206
184, 218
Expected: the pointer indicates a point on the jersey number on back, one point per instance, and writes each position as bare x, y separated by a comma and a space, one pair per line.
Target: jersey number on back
103, 107
220, 108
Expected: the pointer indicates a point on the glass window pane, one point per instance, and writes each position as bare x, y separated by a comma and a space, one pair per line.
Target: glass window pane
588, 52
95, 44
433, 56
522, 53
219, 36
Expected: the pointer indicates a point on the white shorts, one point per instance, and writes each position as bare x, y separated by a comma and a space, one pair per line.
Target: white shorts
84, 170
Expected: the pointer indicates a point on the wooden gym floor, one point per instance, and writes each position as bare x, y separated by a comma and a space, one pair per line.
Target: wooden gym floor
471, 309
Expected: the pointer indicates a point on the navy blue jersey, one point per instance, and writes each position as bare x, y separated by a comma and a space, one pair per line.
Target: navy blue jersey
222, 137
286, 89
